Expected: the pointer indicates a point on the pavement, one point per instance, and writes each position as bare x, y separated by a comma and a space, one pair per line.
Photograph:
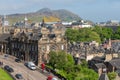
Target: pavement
20, 68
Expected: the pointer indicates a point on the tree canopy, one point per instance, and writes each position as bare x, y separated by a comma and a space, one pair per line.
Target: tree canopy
65, 66
116, 34
104, 32
83, 34
112, 75
96, 33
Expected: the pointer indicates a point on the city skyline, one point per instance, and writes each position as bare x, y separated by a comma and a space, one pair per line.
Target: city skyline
94, 10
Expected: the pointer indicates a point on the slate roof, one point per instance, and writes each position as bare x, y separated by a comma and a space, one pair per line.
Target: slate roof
100, 65
98, 58
116, 63
103, 76
4, 37
30, 36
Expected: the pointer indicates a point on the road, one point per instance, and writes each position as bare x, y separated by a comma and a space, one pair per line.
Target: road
20, 68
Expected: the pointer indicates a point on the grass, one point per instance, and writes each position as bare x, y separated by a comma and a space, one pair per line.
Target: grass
4, 75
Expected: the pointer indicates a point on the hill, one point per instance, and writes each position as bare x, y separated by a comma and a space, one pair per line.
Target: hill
37, 16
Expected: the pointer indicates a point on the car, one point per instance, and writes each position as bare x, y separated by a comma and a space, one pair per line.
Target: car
30, 65
6, 55
8, 68
19, 76
17, 60
54, 78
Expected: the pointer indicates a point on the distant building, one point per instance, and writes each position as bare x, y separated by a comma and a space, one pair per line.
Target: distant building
81, 24
109, 23
5, 22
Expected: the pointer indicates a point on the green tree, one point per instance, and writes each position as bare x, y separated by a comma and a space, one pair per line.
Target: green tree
104, 32
53, 59
60, 59
116, 34
64, 63
83, 34
112, 75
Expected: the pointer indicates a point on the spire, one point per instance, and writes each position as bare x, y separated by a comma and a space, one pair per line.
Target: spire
25, 19
43, 22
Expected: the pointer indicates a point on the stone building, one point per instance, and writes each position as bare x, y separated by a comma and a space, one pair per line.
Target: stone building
52, 40
35, 46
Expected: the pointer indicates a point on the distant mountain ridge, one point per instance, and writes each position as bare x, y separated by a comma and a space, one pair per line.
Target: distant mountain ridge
37, 16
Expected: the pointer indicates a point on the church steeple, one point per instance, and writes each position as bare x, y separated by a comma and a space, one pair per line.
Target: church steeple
43, 22
25, 21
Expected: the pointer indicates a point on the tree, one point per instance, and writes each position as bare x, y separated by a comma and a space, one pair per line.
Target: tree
71, 34
83, 34
60, 59
53, 59
64, 63
116, 34
112, 75
104, 32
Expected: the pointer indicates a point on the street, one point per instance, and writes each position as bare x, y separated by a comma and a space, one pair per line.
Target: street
20, 68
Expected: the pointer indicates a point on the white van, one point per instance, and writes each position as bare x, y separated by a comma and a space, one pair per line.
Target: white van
31, 65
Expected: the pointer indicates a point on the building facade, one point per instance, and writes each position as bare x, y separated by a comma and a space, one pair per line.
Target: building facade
35, 46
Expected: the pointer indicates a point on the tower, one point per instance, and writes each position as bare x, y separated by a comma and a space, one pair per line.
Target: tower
25, 21
43, 23
5, 22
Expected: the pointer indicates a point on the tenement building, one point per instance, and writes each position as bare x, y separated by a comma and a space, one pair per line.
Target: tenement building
35, 46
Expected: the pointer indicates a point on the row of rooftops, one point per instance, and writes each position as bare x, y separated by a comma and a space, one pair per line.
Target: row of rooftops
103, 65
33, 34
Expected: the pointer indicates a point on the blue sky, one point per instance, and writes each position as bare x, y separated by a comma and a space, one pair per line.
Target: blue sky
94, 10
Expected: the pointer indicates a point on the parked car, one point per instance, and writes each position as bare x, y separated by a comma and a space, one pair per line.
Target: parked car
17, 60
19, 76
8, 68
6, 55
30, 65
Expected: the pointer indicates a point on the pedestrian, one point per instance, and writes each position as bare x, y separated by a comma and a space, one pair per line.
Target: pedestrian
43, 67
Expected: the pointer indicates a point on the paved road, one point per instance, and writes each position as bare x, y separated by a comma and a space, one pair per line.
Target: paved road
20, 68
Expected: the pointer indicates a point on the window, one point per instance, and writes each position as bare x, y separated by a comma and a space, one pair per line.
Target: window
48, 47
62, 47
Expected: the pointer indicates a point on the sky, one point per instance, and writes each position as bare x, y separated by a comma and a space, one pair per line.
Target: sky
94, 10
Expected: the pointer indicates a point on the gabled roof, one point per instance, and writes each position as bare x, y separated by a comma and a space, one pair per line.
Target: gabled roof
100, 65
30, 36
103, 76
115, 63
98, 58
